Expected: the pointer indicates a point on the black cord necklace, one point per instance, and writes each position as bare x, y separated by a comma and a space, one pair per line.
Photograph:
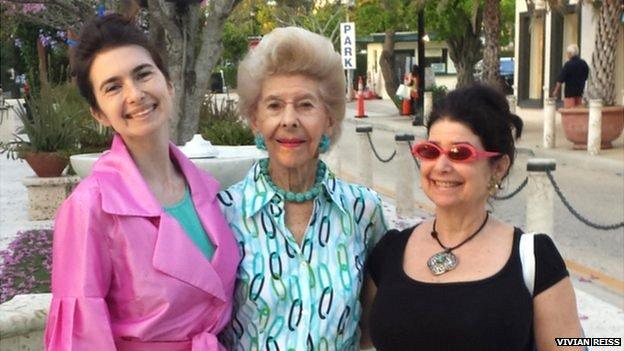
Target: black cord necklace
446, 260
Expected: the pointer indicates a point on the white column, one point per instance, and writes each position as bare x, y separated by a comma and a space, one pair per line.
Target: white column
427, 106
405, 177
364, 155
540, 197
549, 123
511, 100
594, 128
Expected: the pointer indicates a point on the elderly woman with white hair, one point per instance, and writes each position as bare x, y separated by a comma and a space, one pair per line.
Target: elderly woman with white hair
304, 235
574, 74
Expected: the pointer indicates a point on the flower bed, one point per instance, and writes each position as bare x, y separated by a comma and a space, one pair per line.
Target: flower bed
25, 264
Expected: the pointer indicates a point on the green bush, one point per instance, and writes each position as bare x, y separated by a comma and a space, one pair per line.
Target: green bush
438, 93
220, 122
49, 122
92, 136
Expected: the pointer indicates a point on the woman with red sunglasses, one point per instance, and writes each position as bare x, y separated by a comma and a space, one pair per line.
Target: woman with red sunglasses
455, 281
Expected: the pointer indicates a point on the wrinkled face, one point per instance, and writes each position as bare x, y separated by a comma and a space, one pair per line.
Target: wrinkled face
453, 184
133, 95
291, 116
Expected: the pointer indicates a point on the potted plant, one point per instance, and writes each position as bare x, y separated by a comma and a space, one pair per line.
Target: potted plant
48, 132
601, 82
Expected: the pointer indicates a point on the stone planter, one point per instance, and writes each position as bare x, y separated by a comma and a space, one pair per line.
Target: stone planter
575, 125
22, 321
45, 195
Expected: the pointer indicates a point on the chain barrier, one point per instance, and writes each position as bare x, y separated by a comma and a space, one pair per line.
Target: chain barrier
575, 213
370, 141
409, 144
513, 193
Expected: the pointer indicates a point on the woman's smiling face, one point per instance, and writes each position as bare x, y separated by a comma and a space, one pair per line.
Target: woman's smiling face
132, 94
453, 184
292, 118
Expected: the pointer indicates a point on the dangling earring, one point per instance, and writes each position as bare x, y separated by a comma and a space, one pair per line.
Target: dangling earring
493, 186
260, 143
324, 144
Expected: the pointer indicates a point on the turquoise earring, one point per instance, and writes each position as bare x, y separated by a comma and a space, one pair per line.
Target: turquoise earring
324, 144
260, 144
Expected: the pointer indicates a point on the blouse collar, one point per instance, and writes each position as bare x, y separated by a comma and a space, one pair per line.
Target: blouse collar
256, 184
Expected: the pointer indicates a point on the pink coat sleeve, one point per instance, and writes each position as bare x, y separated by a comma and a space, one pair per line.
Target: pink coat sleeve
81, 274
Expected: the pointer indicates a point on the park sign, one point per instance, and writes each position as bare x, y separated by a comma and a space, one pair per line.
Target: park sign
347, 45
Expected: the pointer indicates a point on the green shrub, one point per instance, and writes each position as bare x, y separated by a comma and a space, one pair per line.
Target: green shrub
49, 122
220, 122
438, 93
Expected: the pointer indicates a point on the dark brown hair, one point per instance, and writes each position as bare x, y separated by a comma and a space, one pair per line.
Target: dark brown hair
486, 112
105, 33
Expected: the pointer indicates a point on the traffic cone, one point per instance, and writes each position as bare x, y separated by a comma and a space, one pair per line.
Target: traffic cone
407, 107
360, 102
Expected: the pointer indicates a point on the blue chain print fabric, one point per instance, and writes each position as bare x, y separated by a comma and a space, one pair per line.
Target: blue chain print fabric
300, 297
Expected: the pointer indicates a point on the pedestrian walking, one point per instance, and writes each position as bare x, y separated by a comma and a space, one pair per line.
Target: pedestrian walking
413, 82
574, 74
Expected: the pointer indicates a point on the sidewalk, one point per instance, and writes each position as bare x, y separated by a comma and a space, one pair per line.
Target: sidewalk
598, 317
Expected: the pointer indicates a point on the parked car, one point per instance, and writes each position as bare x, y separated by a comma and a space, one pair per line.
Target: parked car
506, 72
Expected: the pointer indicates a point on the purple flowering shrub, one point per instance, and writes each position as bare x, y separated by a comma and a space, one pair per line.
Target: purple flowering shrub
25, 265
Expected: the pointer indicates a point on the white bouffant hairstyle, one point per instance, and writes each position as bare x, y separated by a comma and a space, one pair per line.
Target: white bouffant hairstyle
573, 50
291, 51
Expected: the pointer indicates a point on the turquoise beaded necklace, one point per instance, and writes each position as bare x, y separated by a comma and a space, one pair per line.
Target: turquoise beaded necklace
289, 195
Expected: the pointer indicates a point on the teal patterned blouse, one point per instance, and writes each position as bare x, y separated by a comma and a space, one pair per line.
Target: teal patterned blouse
300, 297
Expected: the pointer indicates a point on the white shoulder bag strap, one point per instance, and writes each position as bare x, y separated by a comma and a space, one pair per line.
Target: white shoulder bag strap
527, 258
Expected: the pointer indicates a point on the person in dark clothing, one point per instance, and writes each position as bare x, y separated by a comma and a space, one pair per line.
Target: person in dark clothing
574, 74
415, 95
455, 281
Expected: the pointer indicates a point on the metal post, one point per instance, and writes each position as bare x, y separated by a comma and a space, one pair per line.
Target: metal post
406, 174
594, 137
549, 123
364, 155
540, 196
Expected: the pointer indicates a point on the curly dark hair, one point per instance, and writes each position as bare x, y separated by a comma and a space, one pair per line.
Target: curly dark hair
486, 112
105, 33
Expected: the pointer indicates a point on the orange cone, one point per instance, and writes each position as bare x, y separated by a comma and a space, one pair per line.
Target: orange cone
407, 107
360, 102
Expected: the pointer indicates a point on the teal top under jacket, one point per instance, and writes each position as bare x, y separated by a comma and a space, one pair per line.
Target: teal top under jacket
184, 212
300, 297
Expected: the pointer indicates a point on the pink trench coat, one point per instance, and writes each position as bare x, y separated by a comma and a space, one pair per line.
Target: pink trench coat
125, 276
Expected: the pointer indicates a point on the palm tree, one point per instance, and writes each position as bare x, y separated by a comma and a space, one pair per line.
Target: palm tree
602, 69
491, 31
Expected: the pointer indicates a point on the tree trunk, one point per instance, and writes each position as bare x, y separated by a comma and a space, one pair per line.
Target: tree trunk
602, 76
194, 37
43, 64
386, 63
491, 29
465, 53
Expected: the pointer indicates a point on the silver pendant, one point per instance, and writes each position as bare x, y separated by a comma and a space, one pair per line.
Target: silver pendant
442, 262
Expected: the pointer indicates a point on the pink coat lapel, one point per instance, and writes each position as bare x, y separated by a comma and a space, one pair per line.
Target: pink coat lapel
125, 193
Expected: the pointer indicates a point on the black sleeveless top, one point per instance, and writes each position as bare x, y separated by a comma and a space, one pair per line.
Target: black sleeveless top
495, 313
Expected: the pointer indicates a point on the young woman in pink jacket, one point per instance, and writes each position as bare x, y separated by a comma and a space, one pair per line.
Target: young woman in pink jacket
143, 258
